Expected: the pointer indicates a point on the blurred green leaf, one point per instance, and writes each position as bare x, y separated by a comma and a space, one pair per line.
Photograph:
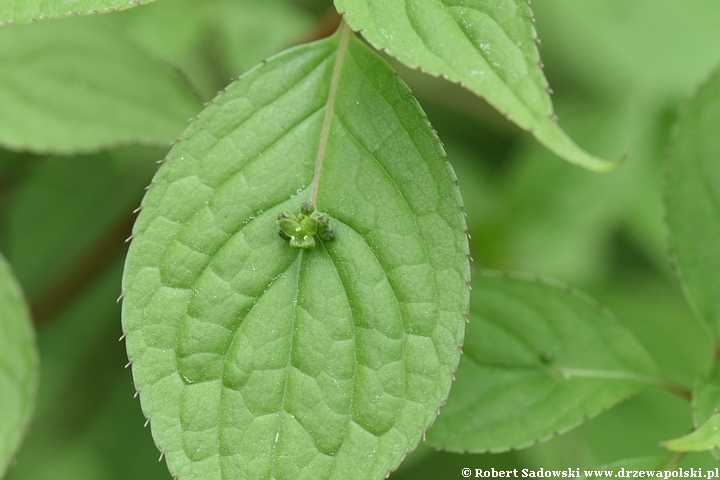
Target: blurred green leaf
649, 49
87, 425
80, 200
213, 40
78, 85
540, 358
692, 201
706, 396
18, 366
706, 399
23, 11
256, 359
488, 47
705, 437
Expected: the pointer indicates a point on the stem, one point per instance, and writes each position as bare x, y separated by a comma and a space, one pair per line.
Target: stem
674, 460
330, 108
675, 388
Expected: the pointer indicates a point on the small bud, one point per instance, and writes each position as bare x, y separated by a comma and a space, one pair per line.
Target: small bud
323, 222
307, 208
286, 214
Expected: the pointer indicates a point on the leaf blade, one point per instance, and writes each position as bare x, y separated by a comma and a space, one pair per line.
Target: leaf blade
22, 11
705, 437
692, 201
487, 47
78, 85
540, 359
18, 366
317, 356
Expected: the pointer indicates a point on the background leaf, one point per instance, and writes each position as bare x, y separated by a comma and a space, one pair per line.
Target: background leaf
81, 201
23, 11
77, 85
539, 359
706, 396
692, 201
488, 47
705, 437
645, 51
18, 366
255, 359
212, 41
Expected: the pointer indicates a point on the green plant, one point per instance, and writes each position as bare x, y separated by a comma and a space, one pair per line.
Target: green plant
296, 290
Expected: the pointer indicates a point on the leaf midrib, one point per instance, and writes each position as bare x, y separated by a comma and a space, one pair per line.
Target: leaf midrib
330, 108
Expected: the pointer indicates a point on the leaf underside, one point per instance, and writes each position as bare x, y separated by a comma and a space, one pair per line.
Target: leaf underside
487, 46
257, 360
692, 201
24, 11
18, 366
78, 85
539, 359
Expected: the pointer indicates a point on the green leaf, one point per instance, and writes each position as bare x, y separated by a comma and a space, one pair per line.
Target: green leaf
258, 360
18, 366
213, 40
692, 201
489, 47
24, 11
77, 85
706, 399
80, 200
705, 437
706, 396
540, 358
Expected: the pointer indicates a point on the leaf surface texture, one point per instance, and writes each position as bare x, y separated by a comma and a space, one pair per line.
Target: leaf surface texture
692, 201
539, 359
489, 47
257, 360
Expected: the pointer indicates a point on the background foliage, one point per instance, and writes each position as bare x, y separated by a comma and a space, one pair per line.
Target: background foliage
619, 72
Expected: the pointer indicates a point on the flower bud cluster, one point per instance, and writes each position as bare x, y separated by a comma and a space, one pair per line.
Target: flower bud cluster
300, 229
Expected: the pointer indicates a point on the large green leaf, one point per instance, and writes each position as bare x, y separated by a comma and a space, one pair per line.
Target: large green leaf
255, 359
18, 366
692, 201
489, 47
540, 359
77, 85
23, 11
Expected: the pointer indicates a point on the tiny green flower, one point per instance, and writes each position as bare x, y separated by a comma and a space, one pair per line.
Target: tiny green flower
300, 229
